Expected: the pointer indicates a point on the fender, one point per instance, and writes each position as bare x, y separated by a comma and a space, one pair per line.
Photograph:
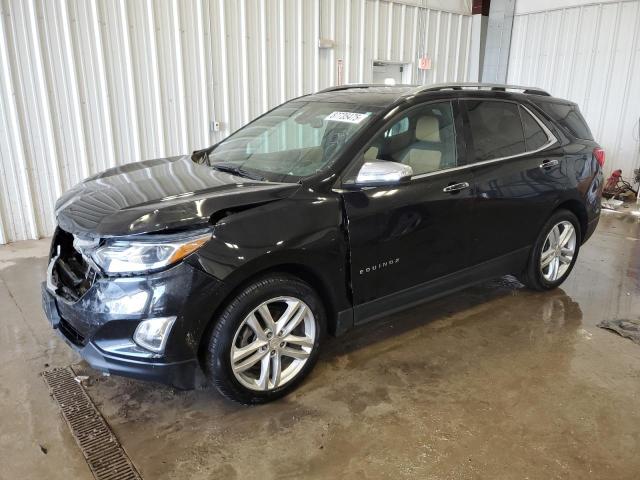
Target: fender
310, 243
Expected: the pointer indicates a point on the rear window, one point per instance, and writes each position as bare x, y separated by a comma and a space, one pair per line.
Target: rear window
569, 118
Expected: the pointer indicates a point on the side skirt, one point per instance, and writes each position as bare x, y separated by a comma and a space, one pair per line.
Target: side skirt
424, 292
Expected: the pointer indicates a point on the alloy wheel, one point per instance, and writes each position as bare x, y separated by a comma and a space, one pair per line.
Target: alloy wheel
273, 343
558, 251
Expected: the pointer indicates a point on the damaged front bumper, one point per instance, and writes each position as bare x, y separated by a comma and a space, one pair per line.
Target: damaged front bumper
100, 325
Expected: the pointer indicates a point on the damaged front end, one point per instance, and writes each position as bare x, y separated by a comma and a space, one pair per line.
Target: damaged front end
70, 274
137, 322
125, 286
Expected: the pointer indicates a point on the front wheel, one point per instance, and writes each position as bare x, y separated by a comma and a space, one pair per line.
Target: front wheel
266, 340
555, 252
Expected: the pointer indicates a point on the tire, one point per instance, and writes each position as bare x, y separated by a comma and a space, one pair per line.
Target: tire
541, 278
243, 324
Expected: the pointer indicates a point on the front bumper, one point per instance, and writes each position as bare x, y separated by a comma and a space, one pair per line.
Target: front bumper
103, 335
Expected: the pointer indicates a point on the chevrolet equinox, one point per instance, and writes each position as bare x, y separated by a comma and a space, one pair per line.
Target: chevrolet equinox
331, 210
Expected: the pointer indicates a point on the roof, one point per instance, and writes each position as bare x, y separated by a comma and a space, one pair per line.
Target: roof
368, 94
384, 95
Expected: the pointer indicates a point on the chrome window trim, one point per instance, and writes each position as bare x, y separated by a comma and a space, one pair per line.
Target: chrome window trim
551, 140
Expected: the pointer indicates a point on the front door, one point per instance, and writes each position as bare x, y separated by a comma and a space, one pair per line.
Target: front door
405, 236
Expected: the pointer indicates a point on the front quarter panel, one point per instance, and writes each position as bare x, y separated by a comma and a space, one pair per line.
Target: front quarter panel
303, 231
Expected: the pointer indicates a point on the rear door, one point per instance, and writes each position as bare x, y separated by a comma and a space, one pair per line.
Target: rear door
519, 175
405, 235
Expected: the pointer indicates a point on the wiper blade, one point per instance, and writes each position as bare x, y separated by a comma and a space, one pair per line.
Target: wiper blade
236, 170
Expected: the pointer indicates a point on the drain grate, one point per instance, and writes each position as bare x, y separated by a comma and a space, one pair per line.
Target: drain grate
100, 447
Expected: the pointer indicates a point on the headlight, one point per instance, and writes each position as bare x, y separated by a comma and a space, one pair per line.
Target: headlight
147, 253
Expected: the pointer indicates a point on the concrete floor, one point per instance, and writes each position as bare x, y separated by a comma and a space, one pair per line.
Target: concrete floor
495, 382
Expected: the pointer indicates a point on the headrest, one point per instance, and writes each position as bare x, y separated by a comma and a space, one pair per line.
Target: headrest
428, 129
371, 155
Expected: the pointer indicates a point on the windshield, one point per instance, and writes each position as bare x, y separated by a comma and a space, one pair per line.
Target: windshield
296, 140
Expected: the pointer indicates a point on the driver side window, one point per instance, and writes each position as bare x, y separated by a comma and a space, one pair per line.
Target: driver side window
424, 139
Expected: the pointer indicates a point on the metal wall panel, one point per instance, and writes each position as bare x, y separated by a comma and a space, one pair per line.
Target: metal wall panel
589, 54
90, 84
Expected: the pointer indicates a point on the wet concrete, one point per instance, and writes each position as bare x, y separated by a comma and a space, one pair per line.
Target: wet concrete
494, 382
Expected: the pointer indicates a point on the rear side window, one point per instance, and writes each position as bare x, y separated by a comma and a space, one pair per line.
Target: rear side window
534, 136
496, 129
569, 118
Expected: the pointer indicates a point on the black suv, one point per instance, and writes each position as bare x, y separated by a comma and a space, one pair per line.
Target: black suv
329, 211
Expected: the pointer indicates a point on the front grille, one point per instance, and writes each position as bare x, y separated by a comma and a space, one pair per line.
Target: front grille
71, 333
72, 275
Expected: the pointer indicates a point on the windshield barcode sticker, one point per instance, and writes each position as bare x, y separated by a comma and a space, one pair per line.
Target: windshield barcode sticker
349, 117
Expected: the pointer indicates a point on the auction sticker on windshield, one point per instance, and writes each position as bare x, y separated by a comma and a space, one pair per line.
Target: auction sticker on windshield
348, 117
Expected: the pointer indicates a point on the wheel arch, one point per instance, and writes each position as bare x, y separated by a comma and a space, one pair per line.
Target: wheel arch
298, 270
579, 210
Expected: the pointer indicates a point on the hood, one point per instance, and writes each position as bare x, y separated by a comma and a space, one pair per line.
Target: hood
158, 195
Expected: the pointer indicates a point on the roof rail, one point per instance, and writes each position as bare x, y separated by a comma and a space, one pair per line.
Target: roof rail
479, 86
361, 85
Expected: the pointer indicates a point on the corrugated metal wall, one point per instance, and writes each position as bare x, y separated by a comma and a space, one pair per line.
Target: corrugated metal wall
589, 54
89, 84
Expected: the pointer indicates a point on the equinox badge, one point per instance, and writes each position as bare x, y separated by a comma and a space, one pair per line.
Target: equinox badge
379, 266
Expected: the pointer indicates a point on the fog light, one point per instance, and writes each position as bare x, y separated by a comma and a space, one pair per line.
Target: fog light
153, 333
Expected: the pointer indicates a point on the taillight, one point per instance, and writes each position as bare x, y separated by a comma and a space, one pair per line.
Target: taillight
599, 154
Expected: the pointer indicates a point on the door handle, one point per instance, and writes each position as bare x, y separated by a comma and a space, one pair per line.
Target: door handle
456, 187
549, 163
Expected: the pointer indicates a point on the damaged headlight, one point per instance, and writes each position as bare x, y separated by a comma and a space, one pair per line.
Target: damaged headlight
147, 253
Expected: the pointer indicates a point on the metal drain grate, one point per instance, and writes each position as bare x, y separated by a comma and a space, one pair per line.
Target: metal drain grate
100, 447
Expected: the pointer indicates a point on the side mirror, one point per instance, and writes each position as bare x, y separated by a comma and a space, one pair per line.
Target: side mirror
382, 173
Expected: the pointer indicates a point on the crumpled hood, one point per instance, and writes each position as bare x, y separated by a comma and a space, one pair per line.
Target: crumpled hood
157, 195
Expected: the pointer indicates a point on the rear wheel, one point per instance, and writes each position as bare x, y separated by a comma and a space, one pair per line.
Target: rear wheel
554, 253
266, 340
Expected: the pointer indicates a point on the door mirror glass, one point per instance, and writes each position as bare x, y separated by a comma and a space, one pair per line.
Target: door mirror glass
383, 172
